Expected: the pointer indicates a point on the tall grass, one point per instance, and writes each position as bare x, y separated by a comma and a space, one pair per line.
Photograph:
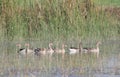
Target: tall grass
108, 2
54, 19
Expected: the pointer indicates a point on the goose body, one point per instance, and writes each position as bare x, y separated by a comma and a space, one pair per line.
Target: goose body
73, 50
62, 50
24, 51
95, 50
21, 51
40, 51
84, 50
92, 50
29, 51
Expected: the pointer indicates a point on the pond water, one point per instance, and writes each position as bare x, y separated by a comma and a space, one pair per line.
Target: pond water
85, 65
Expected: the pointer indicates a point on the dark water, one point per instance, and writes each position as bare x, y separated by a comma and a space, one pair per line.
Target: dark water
107, 65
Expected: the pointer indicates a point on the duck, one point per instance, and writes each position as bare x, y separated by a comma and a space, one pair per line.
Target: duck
62, 50
50, 50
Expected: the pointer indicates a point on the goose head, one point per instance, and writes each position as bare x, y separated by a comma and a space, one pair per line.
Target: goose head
50, 45
27, 45
98, 43
18, 45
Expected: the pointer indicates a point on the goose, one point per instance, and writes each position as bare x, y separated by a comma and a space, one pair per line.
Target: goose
24, 51
50, 50
40, 51
95, 50
91, 50
62, 50
74, 50
83, 50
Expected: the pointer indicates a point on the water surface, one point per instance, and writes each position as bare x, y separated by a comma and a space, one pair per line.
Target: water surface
86, 65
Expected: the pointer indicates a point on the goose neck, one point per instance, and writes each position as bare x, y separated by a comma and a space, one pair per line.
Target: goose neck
97, 46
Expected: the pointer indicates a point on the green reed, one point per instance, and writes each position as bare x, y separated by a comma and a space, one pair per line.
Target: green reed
54, 19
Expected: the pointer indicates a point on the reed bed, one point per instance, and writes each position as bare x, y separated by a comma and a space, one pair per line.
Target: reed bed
54, 19
40, 22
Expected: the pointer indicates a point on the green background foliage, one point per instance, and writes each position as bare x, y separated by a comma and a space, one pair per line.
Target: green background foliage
57, 19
